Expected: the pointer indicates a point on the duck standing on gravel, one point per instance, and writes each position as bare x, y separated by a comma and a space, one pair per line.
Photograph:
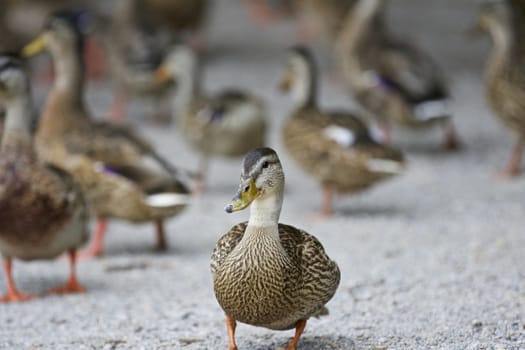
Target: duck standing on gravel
42, 210
391, 79
106, 159
229, 123
336, 148
265, 273
505, 76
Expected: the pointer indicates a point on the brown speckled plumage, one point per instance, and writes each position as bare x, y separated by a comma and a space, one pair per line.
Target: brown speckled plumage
265, 273
36, 202
260, 284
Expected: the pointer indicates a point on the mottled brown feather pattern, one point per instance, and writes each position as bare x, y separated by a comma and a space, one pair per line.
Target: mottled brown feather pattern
272, 284
36, 200
327, 161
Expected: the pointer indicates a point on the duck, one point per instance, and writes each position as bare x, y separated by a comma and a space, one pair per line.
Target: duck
135, 45
228, 123
43, 212
265, 273
504, 76
135, 39
335, 147
391, 79
103, 157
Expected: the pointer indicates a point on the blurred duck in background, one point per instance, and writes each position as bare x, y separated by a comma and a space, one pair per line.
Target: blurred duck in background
21, 20
106, 159
135, 45
505, 73
42, 210
136, 38
228, 123
336, 148
390, 78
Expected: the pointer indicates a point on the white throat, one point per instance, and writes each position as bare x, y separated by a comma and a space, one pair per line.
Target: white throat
302, 89
19, 112
265, 211
186, 90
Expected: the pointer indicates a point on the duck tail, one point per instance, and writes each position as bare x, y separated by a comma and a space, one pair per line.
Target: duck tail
386, 166
166, 200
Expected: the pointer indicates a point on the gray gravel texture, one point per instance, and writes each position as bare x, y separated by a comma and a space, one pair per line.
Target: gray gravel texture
431, 260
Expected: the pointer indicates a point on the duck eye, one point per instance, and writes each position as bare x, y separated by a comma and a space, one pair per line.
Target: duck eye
265, 165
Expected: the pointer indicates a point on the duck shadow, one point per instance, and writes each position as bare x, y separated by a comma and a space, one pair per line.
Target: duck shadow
329, 342
367, 210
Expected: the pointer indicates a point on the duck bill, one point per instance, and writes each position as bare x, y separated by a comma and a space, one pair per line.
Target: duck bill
247, 193
162, 75
34, 47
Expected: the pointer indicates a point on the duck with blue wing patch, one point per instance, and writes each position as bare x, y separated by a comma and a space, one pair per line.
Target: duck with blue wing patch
336, 148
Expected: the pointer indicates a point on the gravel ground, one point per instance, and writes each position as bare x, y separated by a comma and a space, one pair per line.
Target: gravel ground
430, 260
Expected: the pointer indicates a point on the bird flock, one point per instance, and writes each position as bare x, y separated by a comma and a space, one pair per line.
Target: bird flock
60, 167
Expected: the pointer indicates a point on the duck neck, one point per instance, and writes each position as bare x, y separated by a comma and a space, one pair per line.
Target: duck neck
362, 26
69, 79
502, 38
265, 211
19, 114
304, 91
188, 88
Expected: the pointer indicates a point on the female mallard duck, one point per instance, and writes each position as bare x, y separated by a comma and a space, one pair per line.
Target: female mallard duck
42, 210
334, 147
389, 77
229, 123
97, 152
505, 76
265, 273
